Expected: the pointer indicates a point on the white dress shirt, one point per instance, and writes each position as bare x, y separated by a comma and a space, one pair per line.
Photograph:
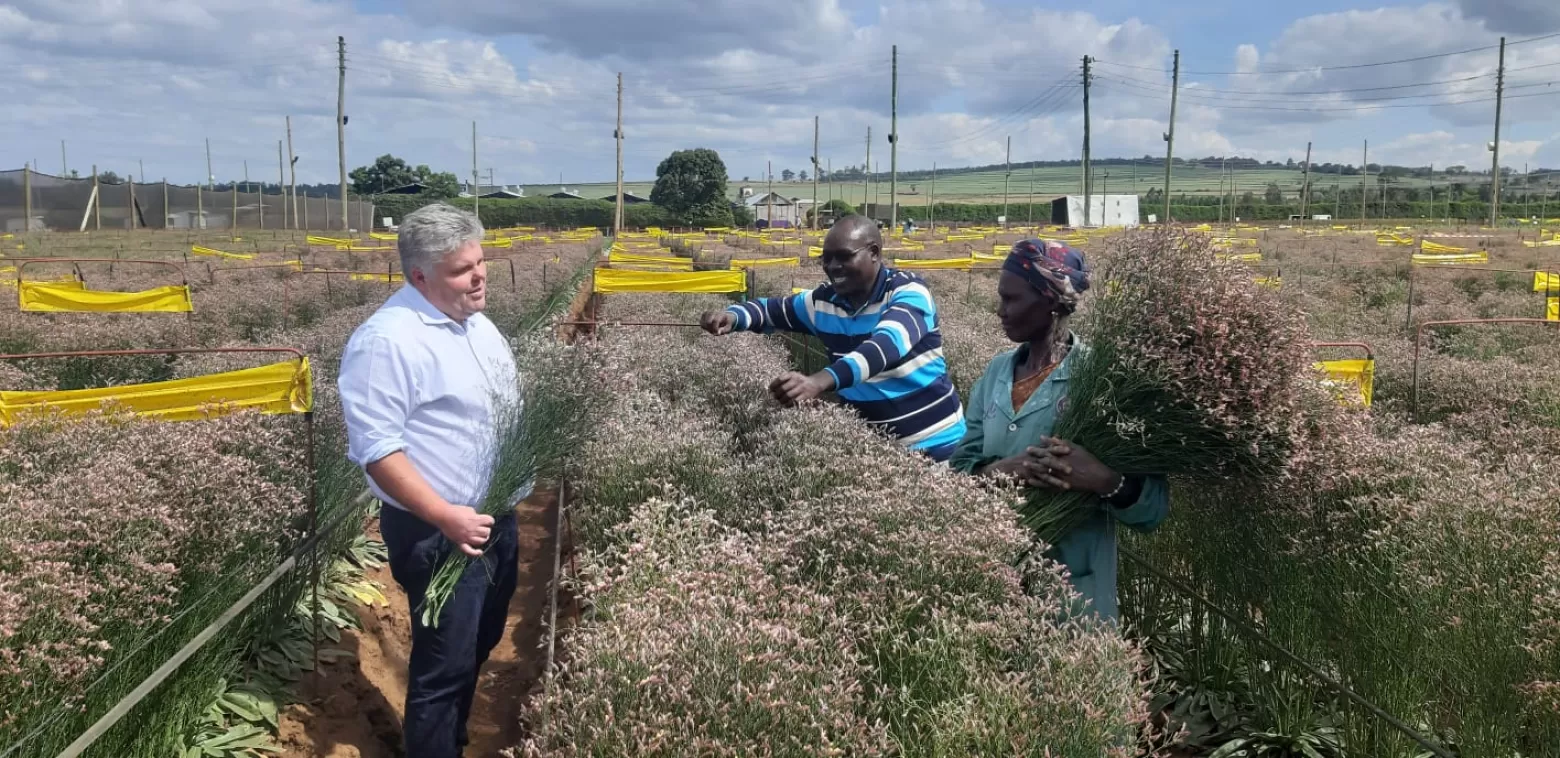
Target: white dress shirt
416, 381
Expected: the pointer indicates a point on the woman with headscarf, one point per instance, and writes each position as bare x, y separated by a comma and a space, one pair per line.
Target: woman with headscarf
1014, 407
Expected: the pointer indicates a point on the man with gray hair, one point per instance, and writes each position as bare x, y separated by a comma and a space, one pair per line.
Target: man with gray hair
420, 382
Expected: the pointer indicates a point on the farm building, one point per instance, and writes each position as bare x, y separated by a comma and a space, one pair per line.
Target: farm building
564, 193
629, 198
773, 209
1104, 210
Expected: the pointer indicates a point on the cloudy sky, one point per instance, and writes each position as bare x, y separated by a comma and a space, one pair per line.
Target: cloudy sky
128, 83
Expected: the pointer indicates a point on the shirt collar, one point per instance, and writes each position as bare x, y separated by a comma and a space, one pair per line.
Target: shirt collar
424, 309
878, 288
1062, 370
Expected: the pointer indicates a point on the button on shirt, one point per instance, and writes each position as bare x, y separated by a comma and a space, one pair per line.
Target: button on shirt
416, 381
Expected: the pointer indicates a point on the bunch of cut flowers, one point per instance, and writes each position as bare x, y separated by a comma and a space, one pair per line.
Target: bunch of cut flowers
1188, 369
533, 439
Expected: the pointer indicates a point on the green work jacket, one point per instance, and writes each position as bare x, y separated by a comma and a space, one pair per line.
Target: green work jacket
995, 430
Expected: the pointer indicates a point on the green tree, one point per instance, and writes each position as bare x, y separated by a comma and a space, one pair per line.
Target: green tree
438, 184
1274, 194
691, 184
388, 172
787, 175
109, 177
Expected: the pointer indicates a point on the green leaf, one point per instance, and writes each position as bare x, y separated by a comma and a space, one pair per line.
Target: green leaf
243, 705
1230, 749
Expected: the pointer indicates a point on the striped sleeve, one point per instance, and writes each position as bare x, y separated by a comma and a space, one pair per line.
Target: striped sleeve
903, 324
768, 314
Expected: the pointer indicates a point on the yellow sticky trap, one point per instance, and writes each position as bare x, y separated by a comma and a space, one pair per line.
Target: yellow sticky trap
1436, 247
52, 297
1353, 379
742, 263
1552, 312
800, 290
627, 280
285, 387
814, 251
212, 252
377, 278
1543, 281
936, 263
1450, 259
1270, 281
681, 264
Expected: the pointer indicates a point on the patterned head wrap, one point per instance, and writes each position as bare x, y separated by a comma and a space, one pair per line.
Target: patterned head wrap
1050, 267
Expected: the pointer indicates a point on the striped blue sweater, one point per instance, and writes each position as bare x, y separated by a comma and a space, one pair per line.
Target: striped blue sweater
888, 358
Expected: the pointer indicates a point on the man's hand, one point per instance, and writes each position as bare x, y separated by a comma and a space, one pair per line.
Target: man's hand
466, 528
718, 322
792, 388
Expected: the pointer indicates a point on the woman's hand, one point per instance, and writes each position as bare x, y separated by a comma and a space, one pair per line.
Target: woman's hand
792, 388
718, 322
1079, 470
1035, 467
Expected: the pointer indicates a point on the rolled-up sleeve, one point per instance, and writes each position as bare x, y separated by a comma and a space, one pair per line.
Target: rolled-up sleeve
376, 395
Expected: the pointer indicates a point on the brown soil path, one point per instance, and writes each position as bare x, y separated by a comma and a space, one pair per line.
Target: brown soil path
356, 711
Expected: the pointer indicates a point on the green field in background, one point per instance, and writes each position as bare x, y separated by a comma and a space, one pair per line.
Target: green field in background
987, 186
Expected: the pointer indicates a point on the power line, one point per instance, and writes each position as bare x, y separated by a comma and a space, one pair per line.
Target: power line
1220, 103
1346, 67
1286, 93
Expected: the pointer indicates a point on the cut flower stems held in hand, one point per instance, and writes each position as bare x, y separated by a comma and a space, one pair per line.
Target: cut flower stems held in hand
532, 441
1187, 369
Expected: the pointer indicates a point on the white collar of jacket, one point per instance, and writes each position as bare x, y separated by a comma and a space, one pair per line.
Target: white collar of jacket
1009, 359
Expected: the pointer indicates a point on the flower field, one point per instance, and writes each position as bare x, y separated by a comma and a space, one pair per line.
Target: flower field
129, 535
764, 581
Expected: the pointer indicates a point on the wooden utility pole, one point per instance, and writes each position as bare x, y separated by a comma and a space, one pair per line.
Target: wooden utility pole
1500, 92
97, 201
290, 186
1031, 221
816, 168
476, 178
281, 176
769, 199
142, 164
211, 178
893, 142
1305, 186
617, 136
1364, 172
64, 167
1087, 177
1175, 89
1222, 162
866, 175
932, 204
341, 124
259, 197
1007, 177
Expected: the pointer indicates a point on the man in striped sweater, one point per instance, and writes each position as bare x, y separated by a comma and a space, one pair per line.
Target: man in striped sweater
880, 327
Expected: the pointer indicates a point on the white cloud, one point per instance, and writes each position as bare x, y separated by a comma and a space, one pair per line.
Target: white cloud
123, 80
1525, 17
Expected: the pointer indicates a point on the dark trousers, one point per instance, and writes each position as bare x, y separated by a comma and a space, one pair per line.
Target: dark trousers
445, 660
